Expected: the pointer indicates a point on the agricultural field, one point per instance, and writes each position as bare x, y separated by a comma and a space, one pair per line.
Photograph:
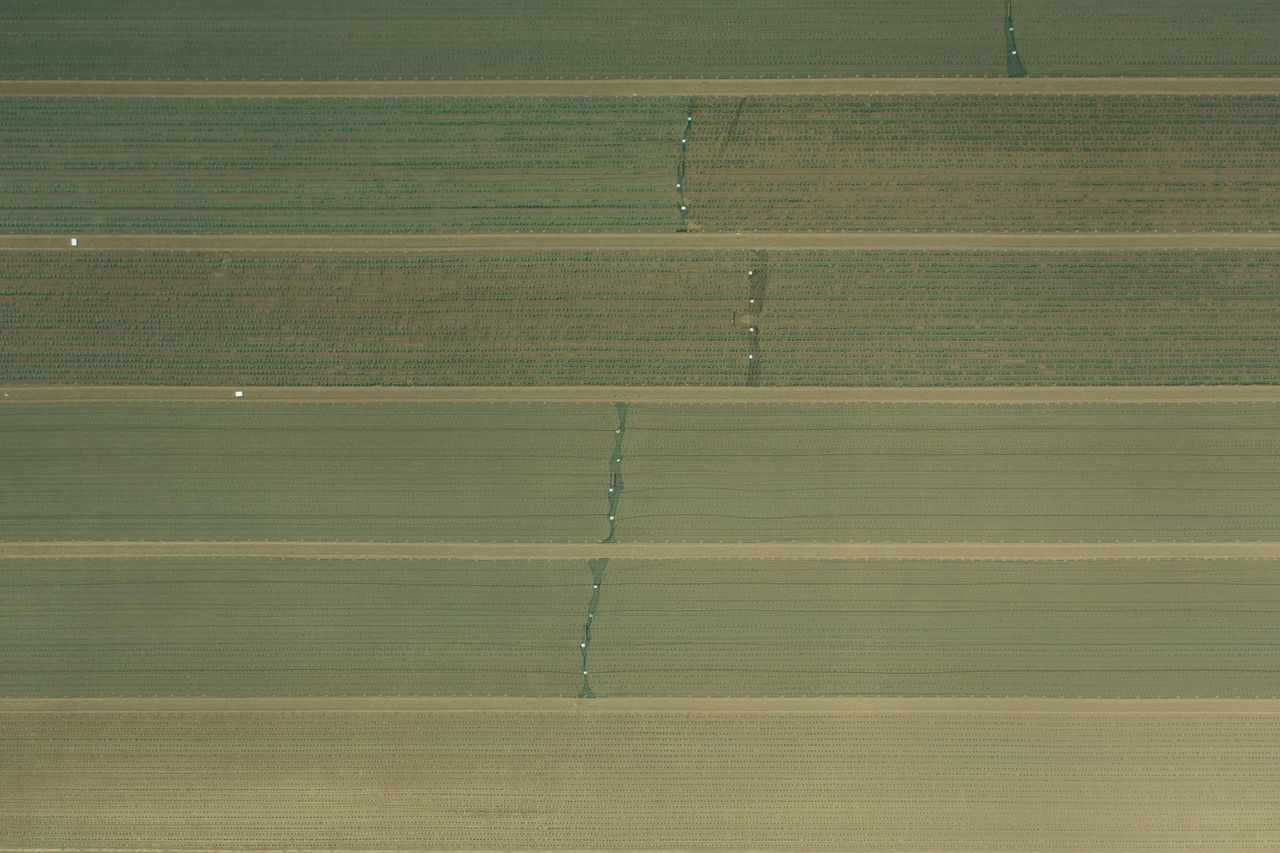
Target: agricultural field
984, 163
639, 318
295, 471
393, 39
564, 318
601, 776
263, 627
947, 472
339, 164
1116, 628
736, 472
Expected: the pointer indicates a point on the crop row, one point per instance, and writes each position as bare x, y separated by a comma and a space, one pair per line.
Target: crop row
338, 164
205, 626
659, 38
574, 779
984, 163
832, 318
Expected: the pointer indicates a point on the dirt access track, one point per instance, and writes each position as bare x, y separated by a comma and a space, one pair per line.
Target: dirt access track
727, 87
501, 243
1031, 551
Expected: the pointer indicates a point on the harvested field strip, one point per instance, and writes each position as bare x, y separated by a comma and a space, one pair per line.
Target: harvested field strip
200, 471
948, 473
646, 87
585, 778
953, 163
995, 551
734, 472
611, 394
712, 627
263, 627
622, 241
338, 165
758, 627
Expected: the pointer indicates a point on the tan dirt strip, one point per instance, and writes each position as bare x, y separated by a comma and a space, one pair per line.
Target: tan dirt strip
674, 394
647, 87
635, 241
1035, 551
635, 704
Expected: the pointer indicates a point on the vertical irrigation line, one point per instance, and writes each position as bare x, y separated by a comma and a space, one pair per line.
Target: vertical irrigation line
597, 578
757, 277
684, 148
1012, 59
615, 471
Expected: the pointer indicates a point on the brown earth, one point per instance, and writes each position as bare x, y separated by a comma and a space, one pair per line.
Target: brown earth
648, 87
642, 550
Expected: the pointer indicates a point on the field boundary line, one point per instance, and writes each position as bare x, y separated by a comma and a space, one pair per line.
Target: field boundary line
634, 704
492, 243
650, 87
975, 551
658, 394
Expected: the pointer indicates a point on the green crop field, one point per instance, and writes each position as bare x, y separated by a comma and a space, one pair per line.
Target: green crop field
201, 626
588, 778
295, 471
540, 472
243, 627
639, 318
660, 38
1117, 628
339, 164
920, 472
984, 163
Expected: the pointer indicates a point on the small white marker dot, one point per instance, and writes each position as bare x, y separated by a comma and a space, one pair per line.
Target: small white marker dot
611, 488
239, 393
584, 672
682, 207
684, 140
751, 272
752, 301
584, 645
74, 241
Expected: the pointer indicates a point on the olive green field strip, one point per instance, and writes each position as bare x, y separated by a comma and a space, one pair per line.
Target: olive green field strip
946, 473
870, 318
416, 472
228, 627
645, 87
390, 39
509, 243
47, 549
973, 164
985, 395
892, 163
595, 778
339, 164
223, 627
540, 472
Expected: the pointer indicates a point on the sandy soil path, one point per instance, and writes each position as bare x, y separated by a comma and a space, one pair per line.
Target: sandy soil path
991, 395
499, 243
647, 704
645, 550
650, 87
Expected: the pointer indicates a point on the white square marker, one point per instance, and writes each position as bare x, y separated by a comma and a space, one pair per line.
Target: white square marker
239, 393
74, 242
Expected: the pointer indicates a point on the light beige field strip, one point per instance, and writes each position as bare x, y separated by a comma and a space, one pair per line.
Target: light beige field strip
975, 395
650, 87
1046, 551
637, 241
636, 704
